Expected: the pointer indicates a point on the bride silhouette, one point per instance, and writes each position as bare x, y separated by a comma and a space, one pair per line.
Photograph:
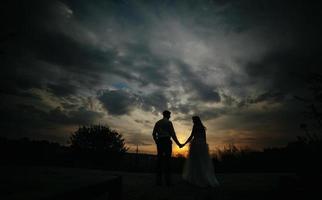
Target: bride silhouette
198, 169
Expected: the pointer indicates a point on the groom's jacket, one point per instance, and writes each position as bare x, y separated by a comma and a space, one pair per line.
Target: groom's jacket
163, 129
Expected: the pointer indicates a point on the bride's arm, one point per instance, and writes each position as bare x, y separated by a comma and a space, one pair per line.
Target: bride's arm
190, 137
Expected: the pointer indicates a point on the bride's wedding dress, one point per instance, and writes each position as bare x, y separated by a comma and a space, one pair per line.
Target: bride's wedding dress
199, 169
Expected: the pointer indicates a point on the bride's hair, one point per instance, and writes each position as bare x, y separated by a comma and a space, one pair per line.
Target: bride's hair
197, 122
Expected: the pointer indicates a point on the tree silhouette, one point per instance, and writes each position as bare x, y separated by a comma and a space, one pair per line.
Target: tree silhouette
98, 139
313, 106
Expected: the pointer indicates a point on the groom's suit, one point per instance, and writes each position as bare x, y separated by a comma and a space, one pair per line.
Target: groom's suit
162, 133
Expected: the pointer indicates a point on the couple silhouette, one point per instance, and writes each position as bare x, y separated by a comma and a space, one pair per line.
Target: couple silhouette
198, 169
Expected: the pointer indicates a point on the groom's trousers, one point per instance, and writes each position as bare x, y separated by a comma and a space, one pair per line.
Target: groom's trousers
164, 148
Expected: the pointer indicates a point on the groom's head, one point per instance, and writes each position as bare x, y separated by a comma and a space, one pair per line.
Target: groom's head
166, 114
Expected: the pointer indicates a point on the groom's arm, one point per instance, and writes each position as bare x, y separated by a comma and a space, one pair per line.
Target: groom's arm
173, 135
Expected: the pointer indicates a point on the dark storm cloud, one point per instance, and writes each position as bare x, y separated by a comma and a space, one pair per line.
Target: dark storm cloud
122, 102
288, 16
32, 116
49, 39
285, 71
156, 100
63, 89
193, 82
268, 97
43, 39
39, 45
27, 118
118, 102
81, 116
59, 49
151, 68
55, 47
284, 67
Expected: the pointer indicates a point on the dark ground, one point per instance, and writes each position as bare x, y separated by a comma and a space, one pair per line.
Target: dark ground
18, 182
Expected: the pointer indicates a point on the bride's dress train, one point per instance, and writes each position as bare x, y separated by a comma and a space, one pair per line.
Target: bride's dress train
199, 169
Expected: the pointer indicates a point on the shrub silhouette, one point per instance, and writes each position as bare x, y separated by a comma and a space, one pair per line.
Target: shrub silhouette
97, 146
99, 139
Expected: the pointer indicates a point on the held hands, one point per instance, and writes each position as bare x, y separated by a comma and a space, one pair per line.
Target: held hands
182, 145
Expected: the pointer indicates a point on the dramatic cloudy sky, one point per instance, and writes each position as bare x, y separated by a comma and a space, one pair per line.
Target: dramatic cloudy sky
236, 64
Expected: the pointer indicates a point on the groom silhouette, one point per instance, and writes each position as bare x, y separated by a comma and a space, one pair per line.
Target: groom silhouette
162, 133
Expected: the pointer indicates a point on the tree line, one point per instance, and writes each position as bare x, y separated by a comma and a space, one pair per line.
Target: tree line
101, 147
